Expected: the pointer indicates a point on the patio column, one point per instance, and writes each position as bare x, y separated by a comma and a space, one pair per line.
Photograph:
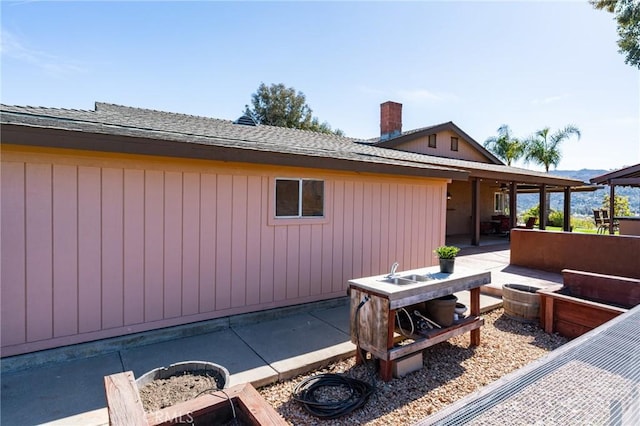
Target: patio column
475, 212
513, 204
542, 220
567, 209
612, 198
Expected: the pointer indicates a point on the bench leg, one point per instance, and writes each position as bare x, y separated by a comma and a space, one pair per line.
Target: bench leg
475, 311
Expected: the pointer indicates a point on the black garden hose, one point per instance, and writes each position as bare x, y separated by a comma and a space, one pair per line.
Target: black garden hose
305, 393
359, 391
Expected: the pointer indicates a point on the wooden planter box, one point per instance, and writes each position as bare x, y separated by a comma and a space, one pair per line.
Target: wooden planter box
125, 407
585, 301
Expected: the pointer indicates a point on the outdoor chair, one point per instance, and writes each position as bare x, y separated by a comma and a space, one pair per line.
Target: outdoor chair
606, 221
502, 223
531, 221
600, 224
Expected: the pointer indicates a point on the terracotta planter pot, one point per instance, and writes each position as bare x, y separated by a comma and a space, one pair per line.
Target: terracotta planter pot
441, 310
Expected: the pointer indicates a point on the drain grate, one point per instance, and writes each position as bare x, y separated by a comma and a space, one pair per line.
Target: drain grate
594, 379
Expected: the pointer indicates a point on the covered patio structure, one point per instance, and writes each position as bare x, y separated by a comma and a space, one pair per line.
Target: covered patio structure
480, 195
487, 199
628, 176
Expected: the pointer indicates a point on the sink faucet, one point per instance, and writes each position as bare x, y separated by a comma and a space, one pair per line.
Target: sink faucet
394, 267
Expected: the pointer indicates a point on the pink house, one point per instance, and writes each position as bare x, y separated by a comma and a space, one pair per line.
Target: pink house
121, 220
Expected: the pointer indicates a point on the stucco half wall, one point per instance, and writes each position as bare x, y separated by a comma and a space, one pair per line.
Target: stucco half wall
97, 245
555, 251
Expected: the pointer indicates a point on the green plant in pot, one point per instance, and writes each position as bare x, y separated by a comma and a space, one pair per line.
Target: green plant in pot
447, 256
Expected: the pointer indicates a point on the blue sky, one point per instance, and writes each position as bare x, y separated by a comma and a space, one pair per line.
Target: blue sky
478, 64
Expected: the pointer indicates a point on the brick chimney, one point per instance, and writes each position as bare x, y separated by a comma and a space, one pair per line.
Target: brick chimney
390, 120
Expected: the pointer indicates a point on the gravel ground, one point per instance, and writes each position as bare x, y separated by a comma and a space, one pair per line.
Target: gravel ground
451, 371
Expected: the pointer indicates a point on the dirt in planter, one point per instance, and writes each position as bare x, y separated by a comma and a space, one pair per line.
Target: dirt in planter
162, 393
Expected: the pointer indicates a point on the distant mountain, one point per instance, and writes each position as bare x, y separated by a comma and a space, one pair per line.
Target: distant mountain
582, 203
582, 174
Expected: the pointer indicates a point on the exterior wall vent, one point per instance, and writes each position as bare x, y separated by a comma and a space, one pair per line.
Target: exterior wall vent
246, 120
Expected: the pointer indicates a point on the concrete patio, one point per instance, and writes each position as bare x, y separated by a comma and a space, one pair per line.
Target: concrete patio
65, 386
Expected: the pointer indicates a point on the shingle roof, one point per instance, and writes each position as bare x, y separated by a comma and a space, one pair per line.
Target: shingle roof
144, 123
332, 151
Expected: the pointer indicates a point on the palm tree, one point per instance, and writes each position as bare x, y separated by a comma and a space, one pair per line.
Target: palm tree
504, 145
544, 149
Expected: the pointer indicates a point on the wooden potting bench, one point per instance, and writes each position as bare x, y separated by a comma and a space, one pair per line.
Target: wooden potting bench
374, 303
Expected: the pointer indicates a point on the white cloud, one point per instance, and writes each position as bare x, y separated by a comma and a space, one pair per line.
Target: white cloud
12, 47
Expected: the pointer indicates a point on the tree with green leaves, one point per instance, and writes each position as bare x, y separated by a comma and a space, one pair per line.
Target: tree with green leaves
505, 146
627, 14
620, 205
543, 148
277, 105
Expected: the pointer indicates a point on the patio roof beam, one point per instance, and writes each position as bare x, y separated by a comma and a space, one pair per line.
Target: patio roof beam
531, 179
630, 181
530, 189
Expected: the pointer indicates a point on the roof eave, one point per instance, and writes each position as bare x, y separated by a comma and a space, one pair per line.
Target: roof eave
508, 176
106, 142
628, 176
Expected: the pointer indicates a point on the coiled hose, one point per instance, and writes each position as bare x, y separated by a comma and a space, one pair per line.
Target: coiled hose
359, 391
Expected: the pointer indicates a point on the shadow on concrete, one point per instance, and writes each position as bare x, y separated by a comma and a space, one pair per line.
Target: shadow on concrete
43, 394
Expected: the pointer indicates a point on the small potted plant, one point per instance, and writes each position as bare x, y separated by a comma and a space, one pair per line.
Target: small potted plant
447, 256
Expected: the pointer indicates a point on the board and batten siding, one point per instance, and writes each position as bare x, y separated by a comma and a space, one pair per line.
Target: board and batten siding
443, 147
101, 245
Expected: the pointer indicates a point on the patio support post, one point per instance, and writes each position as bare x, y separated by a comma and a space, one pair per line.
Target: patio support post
513, 205
612, 202
567, 209
475, 212
542, 220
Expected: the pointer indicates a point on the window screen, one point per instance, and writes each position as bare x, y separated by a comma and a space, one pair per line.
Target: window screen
299, 198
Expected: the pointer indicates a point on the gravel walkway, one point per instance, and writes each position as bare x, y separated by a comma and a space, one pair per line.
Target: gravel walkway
451, 371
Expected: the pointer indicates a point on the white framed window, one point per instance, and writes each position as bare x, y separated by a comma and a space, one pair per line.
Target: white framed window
299, 198
500, 202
